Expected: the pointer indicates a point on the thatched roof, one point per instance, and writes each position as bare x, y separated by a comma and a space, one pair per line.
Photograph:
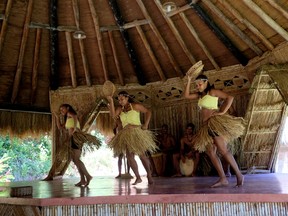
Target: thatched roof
127, 42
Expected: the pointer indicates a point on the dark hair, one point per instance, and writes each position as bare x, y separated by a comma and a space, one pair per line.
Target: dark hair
204, 78
70, 108
190, 125
125, 94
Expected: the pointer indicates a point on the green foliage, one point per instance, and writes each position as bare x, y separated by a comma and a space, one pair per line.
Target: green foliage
29, 159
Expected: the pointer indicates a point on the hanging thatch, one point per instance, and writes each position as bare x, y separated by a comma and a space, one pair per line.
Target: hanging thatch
23, 124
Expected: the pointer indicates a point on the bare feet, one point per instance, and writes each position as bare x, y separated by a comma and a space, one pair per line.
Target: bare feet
118, 176
79, 184
240, 181
138, 180
88, 179
150, 180
220, 183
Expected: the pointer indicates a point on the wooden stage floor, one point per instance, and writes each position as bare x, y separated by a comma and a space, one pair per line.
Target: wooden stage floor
257, 188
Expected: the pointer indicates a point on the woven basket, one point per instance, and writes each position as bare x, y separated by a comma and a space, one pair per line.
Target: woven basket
108, 88
195, 70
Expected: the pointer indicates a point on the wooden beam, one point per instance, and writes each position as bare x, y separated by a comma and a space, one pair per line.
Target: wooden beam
54, 82
18, 73
176, 33
233, 27
120, 22
5, 24
85, 63
266, 18
57, 28
99, 38
274, 4
199, 41
34, 80
136, 23
75, 4
252, 28
71, 59
160, 38
151, 54
114, 51
218, 32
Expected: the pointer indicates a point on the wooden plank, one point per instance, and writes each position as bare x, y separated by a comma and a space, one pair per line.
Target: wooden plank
266, 18
117, 63
160, 38
199, 41
18, 74
71, 59
35, 65
99, 38
151, 53
252, 28
233, 27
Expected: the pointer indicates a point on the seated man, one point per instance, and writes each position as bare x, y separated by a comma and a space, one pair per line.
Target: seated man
186, 151
167, 147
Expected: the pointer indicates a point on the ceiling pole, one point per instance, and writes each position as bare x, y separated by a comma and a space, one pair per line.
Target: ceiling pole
199, 41
34, 80
76, 11
116, 60
247, 23
120, 22
225, 40
160, 38
99, 38
247, 40
176, 33
53, 45
18, 74
5, 24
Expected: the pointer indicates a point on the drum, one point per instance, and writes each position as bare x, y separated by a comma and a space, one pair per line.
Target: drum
187, 167
158, 163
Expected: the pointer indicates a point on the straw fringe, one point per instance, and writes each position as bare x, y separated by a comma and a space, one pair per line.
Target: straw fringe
85, 141
135, 140
227, 126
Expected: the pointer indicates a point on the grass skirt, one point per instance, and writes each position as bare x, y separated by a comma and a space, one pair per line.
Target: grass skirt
135, 140
85, 141
227, 126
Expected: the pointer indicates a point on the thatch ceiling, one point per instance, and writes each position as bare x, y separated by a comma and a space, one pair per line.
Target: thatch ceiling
127, 42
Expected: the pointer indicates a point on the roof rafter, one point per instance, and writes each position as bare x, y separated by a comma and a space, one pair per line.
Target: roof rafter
99, 38
160, 38
5, 24
176, 33
120, 22
199, 41
34, 80
252, 28
18, 74
274, 25
151, 53
234, 28
225, 40
114, 51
